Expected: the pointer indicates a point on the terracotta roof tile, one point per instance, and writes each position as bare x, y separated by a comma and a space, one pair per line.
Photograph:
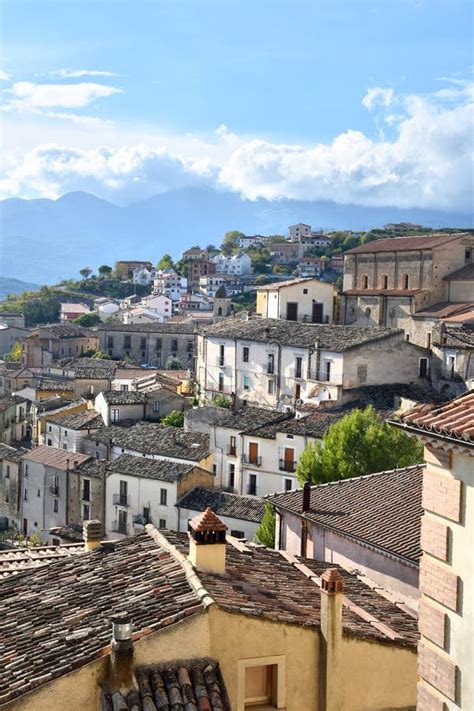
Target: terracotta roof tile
223, 503
17, 560
207, 521
382, 510
454, 419
52, 457
401, 244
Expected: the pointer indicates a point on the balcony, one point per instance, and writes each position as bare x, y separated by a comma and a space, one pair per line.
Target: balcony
121, 500
286, 466
254, 461
320, 376
120, 527
53, 489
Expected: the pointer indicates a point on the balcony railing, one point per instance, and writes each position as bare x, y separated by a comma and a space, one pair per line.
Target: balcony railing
286, 466
254, 461
320, 375
120, 527
121, 500
141, 520
53, 489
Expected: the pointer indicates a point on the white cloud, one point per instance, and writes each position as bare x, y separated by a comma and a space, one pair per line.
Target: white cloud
426, 162
68, 96
5, 76
378, 96
78, 73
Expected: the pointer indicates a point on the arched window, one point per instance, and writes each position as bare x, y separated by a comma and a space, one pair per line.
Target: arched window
384, 281
405, 281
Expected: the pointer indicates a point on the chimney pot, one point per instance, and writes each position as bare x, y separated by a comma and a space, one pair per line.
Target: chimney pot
207, 542
92, 532
306, 505
122, 627
332, 581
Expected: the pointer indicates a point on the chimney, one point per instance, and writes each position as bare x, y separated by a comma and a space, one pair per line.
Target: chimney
306, 505
92, 532
332, 593
207, 542
121, 658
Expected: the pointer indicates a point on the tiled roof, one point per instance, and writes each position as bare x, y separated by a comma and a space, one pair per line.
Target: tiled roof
93, 468
223, 503
466, 273
457, 337
7, 401
314, 425
445, 310
247, 417
52, 457
57, 619
454, 419
147, 468
260, 582
148, 328
78, 420
292, 333
64, 330
402, 244
154, 438
184, 685
17, 560
11, 454
274, 286
60, 385
382, 510
127, 397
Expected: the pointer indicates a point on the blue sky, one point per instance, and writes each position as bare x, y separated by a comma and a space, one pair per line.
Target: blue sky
289, 80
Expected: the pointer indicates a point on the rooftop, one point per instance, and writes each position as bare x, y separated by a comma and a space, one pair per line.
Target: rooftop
314, 425
52, 457
466, 273
403, 244
274, 286
333, 338
457, 337
17, 560
154, 438
382, 510
62, 330
127, 397
147, 468
164, 327
57, 619
447, 311
7, 401
223, 503
453, 420
246, 418
79, 420
11, 454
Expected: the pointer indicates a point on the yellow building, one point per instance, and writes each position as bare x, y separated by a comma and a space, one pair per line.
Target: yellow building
308, 300
446, 616
217, 622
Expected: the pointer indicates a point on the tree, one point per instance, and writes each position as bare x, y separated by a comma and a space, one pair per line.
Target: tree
85, 273
359, 443
231, 241
105, 271
174, 419
88, 320
173, 363
15, 353
166, 262
222, 401
265, 533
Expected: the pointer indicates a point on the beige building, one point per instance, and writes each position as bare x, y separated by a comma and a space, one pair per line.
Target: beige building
387, 281
222, 624
446, 620
46, 344
307, 300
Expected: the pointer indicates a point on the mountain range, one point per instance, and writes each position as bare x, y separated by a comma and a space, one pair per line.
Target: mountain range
47, 240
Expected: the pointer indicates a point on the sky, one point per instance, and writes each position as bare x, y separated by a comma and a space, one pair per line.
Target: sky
365, 102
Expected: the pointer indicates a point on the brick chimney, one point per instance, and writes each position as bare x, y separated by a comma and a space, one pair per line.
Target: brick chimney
93, 533
332, 593
207, 542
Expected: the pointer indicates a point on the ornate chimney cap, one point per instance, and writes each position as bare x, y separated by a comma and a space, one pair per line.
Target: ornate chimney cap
206, 527
332, 581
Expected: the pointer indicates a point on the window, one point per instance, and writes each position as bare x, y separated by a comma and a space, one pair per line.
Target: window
38, 493
271, 364
7, 472
288, 484
86, 512
221, 355
49, 428
55, 505
423, 367
158, 344
49, 442
156, 406
451, 366
232, 475
221, 382
237, 534
127, 342
233, 446
271, 387
405, 281
7, 496
115, 414
298, 367
163, 497
428, 340
174, 346
297, 391
162, 523
246, 382
305, 291
467, 255
110, 342
384, 281
365, 282
65, 445
146, 514
124, 388
25, 495
27, 470
86, 490
65, 433
142, 344
245, 354
252, 485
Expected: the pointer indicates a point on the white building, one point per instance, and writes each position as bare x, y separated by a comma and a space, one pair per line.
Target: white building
208, 285
105, 308
238, 265
143, 275
251, 241
67, 431
118, 405
302, 299
140, 314
296, 232
141, 490
169, 283
275, 363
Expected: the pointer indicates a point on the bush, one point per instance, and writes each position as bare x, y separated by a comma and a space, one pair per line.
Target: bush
173, 419
265, 533
222, 401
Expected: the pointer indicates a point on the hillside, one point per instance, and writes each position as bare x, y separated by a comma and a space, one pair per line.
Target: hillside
55, 238
14, 286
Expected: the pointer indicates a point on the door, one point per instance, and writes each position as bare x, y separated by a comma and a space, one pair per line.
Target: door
289, 459
317, 315
253, 453
292, 311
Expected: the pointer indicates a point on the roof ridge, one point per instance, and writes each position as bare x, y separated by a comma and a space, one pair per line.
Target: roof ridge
192, 577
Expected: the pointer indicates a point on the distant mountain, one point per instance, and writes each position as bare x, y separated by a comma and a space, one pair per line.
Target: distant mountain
14, 286
47, 240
